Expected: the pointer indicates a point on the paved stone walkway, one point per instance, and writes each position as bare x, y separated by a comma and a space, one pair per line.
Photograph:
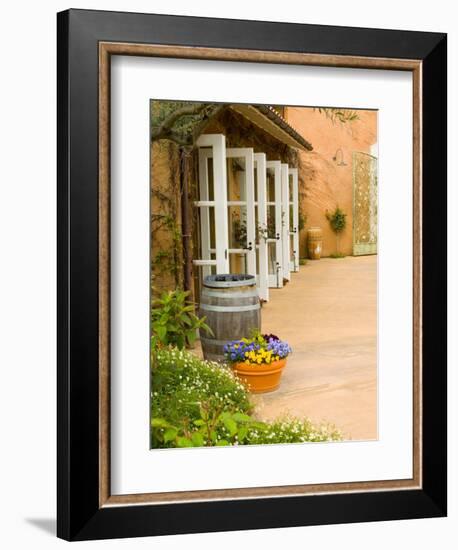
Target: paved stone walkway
327, 313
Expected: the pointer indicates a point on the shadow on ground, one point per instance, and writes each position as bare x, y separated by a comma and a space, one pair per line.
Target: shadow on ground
48, 525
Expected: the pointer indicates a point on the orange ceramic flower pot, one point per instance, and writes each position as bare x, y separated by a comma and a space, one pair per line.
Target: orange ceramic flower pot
260, 378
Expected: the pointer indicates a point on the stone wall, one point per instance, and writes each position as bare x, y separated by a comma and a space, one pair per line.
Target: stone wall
325, 184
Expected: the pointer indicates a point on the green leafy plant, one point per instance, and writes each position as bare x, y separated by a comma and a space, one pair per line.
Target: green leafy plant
215, 427
338, 221
302, 218
197, 403
173, 320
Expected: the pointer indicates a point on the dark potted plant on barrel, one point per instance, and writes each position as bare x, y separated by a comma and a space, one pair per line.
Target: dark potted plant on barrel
259, 361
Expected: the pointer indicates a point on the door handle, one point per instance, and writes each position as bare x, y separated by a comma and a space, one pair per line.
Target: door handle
278, 236
249, 247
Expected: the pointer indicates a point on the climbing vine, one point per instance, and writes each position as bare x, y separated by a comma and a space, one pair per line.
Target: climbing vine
166, 234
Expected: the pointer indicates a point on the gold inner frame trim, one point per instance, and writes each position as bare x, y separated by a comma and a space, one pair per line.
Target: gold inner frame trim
106, 50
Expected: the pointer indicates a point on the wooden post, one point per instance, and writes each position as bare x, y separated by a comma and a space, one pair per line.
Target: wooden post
186, 230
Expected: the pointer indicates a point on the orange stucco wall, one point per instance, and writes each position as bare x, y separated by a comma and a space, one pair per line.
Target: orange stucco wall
166, 243
324, 184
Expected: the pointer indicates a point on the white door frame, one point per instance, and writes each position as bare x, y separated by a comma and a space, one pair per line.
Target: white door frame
213, 146
247, 154
276, 279
294, 202
261, 205
285, 221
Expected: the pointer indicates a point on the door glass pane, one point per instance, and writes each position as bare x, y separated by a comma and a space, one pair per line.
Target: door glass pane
202, 212
235, 179
237, 263
211, 210
237, 226
211, 191
271, 234
270, 175
272, 267
291, 218
255, 172
291, 248
257, 227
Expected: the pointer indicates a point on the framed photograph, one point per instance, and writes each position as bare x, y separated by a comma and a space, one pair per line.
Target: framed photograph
252, 275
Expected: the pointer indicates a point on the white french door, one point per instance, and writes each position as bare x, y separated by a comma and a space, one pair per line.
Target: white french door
294, 219
261, 228
226, 208
274, 224
212, 205
285, 221
240, 210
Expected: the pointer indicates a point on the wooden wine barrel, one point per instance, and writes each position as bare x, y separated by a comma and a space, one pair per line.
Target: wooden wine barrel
232, 309
314, 242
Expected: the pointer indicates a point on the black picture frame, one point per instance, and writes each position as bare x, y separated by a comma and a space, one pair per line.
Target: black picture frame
79, 515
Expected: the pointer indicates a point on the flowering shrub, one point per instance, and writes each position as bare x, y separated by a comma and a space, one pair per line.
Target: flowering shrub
181, 382
197, 403
292, 430
261, 349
